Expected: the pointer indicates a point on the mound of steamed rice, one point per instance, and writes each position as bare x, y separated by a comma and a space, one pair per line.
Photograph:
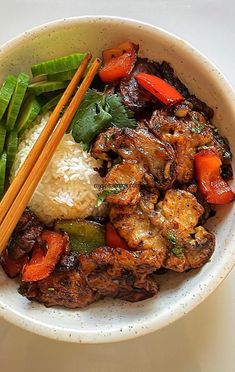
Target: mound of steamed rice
68, 187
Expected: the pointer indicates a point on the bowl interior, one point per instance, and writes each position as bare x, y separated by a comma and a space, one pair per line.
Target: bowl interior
111, 320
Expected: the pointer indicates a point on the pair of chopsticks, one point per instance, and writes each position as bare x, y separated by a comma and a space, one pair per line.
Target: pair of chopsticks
21, 190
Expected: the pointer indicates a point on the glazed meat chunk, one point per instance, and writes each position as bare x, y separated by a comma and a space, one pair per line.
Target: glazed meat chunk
26, 234
187, 135
141, 146
168, 227
129, 175
104, 272
67, 289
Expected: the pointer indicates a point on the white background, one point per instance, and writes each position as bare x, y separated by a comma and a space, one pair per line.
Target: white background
204, 341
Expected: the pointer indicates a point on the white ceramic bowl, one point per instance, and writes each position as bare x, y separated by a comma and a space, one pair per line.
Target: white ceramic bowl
114, 320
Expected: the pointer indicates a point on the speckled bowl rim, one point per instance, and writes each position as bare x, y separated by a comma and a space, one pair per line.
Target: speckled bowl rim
190, 301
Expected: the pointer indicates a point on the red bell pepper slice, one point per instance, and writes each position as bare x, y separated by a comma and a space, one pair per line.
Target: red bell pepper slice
37, 255
118, 62
159, 88
11, 266
40, 266
211, 184
112, 238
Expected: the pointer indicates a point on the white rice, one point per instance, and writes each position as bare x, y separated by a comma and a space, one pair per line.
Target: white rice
67, 188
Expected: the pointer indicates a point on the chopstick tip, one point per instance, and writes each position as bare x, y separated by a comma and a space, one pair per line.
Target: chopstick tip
88, 56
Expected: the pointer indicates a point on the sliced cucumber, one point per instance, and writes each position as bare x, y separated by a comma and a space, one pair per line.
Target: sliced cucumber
6, 92
16, 100
3, 163
50, 104
28, 113
62, 76
2, 137
48, 86
56, 65
66, 75
11, 148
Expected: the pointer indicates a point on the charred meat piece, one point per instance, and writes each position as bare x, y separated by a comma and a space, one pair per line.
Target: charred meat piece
170, 76
109, 272
186, 135
201, 106
139, 145
133, 96
222, 145
168, 227
61, 288
26, 234
119, 273
68, 262
227, 172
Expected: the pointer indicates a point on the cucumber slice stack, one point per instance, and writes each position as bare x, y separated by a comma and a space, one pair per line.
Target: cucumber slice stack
46, 86
16, 100
2, 137
11, 148
66, 75
3, 163
28, 113
6, 92
56, 65
62, 76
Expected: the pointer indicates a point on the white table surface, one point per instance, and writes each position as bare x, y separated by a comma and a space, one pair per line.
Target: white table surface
203, 341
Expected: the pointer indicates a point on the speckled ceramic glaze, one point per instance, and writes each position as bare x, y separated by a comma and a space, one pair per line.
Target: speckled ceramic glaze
113, 320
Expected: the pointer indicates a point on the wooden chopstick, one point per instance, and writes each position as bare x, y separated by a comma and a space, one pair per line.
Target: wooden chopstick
15, 210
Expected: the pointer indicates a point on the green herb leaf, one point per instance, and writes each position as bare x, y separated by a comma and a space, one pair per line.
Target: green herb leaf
121, 116
197, 120
96, 113
90, 119
176, 249
197, 129
114, 189
171, 237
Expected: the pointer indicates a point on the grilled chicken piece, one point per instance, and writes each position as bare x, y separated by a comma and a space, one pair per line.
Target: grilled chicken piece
168, 228
186, 135
181, 211
141, 146
26, 234
116, 273
128, 174
184, 254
